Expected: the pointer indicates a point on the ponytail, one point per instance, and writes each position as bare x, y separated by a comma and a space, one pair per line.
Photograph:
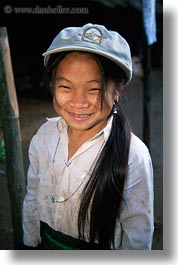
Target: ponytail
103, 193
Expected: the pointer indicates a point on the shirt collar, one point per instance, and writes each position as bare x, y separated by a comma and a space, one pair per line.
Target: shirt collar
105, 131
62, 126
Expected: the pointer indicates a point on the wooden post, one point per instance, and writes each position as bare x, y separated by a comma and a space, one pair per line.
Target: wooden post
9, 114
146, 63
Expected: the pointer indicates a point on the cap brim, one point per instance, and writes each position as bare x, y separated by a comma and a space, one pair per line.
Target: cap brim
87, 49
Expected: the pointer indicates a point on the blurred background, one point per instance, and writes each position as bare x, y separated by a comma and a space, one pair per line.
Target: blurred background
30, 34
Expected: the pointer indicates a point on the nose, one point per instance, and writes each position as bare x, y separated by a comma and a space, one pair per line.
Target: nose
79, 100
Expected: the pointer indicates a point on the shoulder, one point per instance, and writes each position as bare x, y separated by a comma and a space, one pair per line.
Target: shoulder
138, 150
46, 133
140, 163
49, 126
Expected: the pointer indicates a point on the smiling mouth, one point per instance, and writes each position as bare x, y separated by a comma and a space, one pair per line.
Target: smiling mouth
79, 116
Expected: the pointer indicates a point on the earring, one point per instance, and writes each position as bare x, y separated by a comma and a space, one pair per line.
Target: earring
115, 108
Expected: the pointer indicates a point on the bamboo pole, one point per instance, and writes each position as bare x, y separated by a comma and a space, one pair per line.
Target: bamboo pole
9, 114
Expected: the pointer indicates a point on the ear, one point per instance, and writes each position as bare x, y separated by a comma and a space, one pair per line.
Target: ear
116, 97
118, 90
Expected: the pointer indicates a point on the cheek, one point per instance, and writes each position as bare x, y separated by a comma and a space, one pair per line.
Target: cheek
60, 98
58, 102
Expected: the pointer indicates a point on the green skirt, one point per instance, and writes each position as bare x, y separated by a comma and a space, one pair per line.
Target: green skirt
55, 240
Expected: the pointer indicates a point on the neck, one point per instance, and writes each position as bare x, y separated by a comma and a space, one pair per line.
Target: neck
76, 139
79, 137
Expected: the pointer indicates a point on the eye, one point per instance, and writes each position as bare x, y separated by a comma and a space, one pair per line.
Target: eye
94, 90
63, 87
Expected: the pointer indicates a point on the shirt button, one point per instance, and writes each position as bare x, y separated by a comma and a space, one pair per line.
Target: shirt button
61, 199
83, 177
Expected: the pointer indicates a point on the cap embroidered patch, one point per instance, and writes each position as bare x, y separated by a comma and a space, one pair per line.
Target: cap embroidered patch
93, 35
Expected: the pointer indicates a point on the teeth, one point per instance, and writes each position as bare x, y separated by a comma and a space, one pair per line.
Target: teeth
82, 115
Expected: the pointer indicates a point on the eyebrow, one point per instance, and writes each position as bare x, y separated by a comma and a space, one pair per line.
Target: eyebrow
94, 81
62, 78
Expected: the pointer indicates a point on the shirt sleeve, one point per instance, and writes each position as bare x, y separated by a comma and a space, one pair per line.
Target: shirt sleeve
31, 222
136, 219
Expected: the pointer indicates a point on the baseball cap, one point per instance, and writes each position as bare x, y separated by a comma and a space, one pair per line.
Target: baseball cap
96, 39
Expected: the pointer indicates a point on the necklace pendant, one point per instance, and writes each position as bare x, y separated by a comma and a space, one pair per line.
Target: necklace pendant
67, 163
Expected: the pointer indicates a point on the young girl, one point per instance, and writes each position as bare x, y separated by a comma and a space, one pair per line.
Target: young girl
90, 181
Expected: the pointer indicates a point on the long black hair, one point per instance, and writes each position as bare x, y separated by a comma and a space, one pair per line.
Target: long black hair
103, 193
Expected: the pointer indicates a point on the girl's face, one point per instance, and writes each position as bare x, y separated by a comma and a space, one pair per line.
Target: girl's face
77, 86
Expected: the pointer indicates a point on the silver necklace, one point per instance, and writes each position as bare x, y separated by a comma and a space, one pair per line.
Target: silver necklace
67, 163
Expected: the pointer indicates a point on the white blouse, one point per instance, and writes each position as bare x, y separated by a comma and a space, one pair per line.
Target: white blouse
54, 186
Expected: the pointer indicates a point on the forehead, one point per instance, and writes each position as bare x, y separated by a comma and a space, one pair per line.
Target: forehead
80, 57
78, 63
